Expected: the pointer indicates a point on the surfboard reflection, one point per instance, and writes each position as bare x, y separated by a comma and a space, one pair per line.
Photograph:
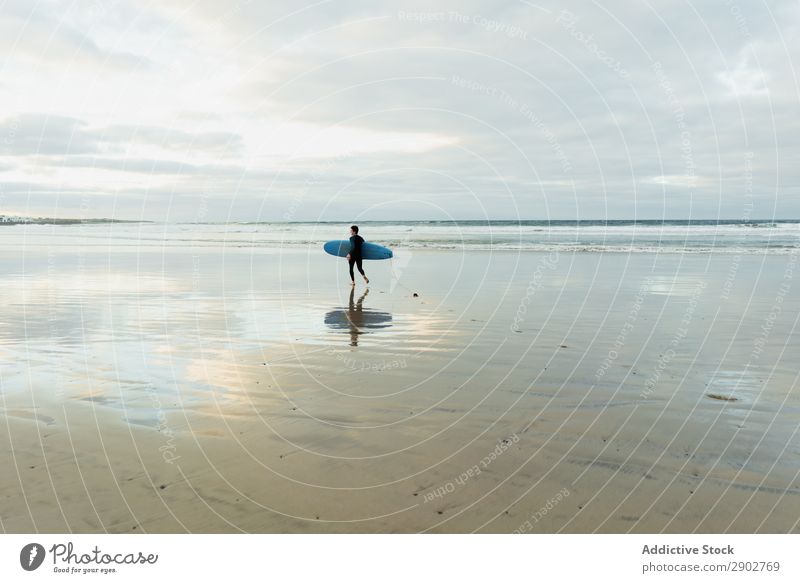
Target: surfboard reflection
357, 319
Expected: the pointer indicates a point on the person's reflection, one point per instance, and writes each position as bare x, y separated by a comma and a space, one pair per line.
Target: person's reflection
356, 319
355, 315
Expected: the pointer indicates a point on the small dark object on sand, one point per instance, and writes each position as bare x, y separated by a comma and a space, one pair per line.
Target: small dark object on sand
722, 397
416, 295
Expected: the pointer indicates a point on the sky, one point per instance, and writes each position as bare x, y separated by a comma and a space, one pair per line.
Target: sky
201, 110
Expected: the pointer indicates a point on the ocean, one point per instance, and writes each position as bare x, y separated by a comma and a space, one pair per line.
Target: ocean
622, 236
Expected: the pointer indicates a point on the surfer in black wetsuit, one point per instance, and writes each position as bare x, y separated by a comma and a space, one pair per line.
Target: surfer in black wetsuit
354, 257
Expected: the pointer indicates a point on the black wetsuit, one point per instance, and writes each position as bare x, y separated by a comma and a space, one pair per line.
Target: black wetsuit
355, 255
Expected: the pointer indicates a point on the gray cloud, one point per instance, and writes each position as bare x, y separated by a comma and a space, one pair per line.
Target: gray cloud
146, 166
37, 31
174, 139
44, 134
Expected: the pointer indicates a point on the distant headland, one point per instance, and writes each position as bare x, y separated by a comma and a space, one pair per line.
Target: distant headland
17, 220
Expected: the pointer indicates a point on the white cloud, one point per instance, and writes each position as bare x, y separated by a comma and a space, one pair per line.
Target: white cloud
746, 79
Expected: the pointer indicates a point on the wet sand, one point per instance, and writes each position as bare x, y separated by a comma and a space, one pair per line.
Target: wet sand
227, 390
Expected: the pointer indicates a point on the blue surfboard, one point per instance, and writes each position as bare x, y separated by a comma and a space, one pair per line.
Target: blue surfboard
368, 250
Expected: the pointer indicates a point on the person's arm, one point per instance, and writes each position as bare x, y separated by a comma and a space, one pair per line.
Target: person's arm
352, 248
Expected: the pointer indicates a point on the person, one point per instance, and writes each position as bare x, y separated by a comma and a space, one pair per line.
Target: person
354, 257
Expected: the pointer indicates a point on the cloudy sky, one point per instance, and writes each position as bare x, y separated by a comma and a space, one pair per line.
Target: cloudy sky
205, 110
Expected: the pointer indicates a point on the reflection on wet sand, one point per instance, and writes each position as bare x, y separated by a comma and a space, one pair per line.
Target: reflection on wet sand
356, 319
169, 392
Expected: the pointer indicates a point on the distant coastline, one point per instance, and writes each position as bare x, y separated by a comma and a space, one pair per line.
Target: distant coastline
16, 220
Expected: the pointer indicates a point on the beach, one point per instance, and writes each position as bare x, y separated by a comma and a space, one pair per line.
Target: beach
238, 388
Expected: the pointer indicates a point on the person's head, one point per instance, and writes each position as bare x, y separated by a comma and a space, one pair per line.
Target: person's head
354, 230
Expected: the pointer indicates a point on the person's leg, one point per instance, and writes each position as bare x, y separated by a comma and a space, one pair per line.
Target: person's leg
361, 270
352, 275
